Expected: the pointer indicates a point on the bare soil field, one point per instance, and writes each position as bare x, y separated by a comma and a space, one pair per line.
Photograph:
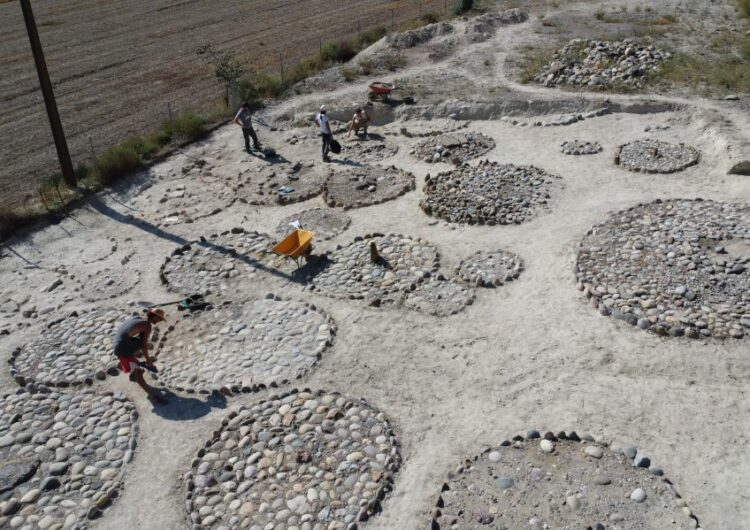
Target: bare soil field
115, 65
544, 340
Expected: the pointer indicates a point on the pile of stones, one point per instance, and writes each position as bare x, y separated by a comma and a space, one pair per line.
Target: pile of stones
489, 193
436, 127
72, 350
244, 346
677, 267
455, 148
578, 147
365, 151
399, 264
419, 36
108, 282
484, 26
490, 268
324, 222
655, 156
214, 264
556, 121
63, 457
366, 185
563, 480
601, 63
302, 459
279, 184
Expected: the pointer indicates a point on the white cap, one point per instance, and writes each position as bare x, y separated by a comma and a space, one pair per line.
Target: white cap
322, 108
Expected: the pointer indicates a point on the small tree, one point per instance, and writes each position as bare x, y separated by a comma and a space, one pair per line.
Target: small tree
228, 68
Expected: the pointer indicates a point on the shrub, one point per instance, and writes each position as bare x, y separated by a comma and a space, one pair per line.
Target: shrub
337, 51
370, 36
188, 126
744, 6
140, 146
430, 18
464, 6
11, 220
349, 73
117, 162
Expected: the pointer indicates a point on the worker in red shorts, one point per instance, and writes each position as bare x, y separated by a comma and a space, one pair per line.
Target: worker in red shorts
132, 336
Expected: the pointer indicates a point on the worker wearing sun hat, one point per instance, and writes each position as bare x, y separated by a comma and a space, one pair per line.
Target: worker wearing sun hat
321, 119
132, 336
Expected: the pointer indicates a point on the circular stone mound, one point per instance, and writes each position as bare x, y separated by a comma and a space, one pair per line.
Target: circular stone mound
72, 350
212, 264
400, 265
182, 200
62, 456
490, 269
655, 156
244, 346
578, 147
366, 185
300, 460
366, 151
677, 267
489, 193
109, 282
280, 184
455, 148
439, 298
559, 481
324, 222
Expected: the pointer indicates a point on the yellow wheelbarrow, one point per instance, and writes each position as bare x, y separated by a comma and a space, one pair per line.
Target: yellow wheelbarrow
296, 245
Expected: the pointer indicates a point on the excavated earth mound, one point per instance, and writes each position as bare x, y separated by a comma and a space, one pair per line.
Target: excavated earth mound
677, 267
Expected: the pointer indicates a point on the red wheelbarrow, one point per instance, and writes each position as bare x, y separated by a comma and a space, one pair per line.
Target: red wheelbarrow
380, 91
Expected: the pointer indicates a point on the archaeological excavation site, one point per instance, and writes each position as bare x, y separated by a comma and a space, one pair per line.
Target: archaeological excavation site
518, 299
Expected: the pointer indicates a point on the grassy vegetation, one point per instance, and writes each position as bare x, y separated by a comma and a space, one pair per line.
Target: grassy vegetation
464, 6
744, 6
709, 76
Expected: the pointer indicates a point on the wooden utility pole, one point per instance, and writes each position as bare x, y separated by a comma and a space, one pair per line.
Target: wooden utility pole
66, 164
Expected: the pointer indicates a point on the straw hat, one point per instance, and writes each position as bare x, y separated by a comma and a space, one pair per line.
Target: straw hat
158, 314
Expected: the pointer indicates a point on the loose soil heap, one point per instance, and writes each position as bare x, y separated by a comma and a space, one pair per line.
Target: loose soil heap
244, 346
560, 481
489, 193
677, 267
301, 459
63, 457
601, 63
655, 156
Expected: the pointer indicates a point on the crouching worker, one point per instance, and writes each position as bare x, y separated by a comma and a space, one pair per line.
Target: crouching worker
132, 336
360, 120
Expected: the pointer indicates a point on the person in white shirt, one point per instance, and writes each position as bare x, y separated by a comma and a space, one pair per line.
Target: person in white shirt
243, 118
322, 121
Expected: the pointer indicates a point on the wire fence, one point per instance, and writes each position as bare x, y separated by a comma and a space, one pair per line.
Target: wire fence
185, 84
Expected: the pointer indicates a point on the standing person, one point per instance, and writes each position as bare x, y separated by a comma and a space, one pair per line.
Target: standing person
243, 118
360, 120
321, 119
131, 337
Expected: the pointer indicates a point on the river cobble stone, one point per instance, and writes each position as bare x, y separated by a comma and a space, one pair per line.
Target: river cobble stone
655, 156
489, 193
302, 459
63, 457
675, 268
244, 345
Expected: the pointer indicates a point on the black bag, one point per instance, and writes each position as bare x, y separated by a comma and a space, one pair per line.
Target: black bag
335, 147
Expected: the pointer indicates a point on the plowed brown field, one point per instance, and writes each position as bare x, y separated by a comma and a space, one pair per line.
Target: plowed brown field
115, 65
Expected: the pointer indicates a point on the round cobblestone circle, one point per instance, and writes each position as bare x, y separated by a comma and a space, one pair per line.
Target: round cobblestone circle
72, 350
455, 148
490, 268
307, 460
182, 200
279, 184
367, 151
244, 345
439, 297
655, 156
401, 265
578, 147
216, 263
326, 223
547, 480
109, 282
677, 267
489, 193
63, 457
366, 185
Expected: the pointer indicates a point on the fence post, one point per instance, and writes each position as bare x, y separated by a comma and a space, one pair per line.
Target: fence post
393, 20
420, 8
320, 53
281, 67
445, 7
169, 112
93, 152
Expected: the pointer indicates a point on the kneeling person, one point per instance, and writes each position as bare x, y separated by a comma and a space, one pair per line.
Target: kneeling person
132, 336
